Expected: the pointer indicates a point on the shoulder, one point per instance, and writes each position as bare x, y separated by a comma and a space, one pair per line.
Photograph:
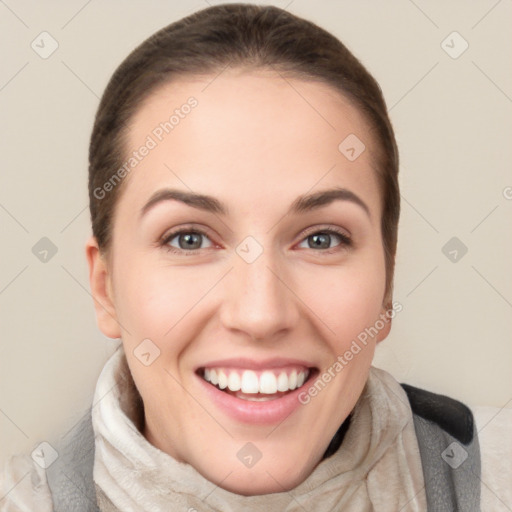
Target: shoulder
24, 487
449, 414
449, 450
52, 479
472, 446
494, 426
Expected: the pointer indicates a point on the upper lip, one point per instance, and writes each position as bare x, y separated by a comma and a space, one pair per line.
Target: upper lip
252, 364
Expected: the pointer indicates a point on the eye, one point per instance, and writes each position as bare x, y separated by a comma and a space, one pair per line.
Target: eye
190, 241
186, 240
324, 238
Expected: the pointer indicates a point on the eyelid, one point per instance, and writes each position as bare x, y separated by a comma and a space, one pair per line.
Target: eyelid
345, 237
346, 241
186, 228
323, 228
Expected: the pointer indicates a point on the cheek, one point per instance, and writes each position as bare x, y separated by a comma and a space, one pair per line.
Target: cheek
156, 301
347, 300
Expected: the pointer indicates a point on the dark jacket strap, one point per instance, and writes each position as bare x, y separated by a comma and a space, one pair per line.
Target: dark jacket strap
449, 449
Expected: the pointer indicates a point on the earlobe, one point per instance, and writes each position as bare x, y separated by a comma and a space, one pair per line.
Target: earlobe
100, 282
383, 333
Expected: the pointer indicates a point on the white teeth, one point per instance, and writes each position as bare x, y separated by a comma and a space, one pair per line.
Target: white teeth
250, 382
213, 377
268, 383
234, 381
223, 380
292, 380
282, 382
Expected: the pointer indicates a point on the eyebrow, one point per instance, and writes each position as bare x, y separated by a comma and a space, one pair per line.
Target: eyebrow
210, 204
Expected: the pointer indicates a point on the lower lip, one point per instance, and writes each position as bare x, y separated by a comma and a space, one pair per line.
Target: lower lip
261, 413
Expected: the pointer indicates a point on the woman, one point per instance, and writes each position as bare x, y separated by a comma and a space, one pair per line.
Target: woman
244, 203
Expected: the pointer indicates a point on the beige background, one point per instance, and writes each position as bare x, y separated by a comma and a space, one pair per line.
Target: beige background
453, 119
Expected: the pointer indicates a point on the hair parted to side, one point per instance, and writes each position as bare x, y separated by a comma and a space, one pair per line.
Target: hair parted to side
241, 36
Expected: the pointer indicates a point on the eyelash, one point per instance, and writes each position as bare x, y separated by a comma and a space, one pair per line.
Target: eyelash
345, 240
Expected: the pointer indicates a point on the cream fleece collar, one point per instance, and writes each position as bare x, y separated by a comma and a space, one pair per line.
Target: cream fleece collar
377, 466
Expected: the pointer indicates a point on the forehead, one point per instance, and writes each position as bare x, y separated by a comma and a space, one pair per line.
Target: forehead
250, 127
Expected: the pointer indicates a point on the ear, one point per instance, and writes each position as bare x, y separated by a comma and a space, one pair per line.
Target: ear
101, 288
383, 333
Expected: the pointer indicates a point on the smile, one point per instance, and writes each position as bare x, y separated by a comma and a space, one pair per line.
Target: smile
256, 393
256, 385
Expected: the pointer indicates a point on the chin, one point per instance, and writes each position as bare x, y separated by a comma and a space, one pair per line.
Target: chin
277, 470
260, 481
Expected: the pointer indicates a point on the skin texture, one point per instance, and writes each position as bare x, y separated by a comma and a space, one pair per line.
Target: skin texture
255, 144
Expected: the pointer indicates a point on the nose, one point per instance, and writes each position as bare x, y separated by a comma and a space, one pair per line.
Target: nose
259, 300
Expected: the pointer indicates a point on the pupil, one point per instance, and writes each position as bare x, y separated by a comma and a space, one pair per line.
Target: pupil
321, 240
191, 241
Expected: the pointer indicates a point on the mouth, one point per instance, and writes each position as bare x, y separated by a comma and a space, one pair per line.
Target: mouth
254, 385
254, 393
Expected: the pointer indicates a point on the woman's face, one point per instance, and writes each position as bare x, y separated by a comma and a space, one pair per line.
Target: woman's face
279, 267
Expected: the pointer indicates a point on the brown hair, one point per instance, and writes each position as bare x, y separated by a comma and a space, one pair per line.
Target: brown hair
241, 35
